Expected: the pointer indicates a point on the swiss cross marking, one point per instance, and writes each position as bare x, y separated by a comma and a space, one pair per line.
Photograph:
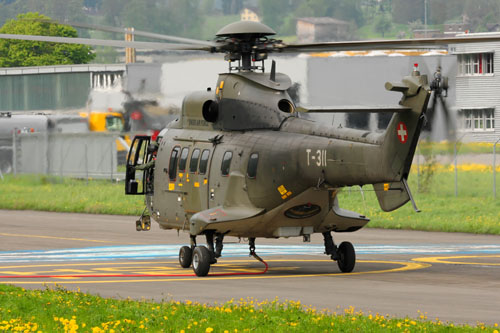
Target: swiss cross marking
402, 132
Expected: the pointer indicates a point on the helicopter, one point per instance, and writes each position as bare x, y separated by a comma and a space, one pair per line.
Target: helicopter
240, 160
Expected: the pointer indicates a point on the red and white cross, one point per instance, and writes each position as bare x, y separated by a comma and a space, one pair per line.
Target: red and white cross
402, 132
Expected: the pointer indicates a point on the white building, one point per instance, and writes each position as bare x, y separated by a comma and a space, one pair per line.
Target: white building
478, 89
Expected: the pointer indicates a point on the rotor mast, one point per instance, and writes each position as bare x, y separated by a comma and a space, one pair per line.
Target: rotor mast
245, 42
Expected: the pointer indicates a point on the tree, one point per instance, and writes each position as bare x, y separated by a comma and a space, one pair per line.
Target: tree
383, 24
273, 12
481, 12
404, 11
71, 10
17, 53
347, 10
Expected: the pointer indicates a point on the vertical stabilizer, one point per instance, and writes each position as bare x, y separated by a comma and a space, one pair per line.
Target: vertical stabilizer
401, 139
404, 129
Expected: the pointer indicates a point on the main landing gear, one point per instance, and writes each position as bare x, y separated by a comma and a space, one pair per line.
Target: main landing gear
201, 257
344, 254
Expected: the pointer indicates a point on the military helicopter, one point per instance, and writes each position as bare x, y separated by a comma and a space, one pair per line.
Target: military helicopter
241, 161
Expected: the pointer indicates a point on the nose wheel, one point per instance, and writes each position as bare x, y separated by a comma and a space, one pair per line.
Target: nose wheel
346, 257
344, 254
201, 260
185, 256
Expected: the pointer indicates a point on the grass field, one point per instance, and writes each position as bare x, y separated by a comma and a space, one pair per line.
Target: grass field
59, 310
473, 211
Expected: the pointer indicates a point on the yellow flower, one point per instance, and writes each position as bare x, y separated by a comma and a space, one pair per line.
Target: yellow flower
209, 329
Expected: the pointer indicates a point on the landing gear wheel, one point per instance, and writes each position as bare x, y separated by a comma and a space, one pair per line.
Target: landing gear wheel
185, 256
201, 260
346, 257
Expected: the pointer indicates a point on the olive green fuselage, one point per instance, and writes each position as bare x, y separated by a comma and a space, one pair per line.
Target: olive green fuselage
259, 170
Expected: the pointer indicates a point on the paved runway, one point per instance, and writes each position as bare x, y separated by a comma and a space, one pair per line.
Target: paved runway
455, 277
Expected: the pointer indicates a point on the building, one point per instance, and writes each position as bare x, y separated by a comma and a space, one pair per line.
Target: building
321, 29
248, 14
477, 89
67, 87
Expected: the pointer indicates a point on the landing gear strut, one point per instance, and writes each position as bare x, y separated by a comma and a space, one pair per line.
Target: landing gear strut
201, 257
344, 254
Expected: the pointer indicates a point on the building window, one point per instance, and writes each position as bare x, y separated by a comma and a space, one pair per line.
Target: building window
475, 64
478, 119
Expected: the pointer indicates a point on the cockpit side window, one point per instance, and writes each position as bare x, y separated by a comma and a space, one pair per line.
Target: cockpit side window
226, 163
193, 163
172, 166
253, 161
205, 155
183, 160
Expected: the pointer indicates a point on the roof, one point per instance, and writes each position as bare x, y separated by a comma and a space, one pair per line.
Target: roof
63, 69
322, 20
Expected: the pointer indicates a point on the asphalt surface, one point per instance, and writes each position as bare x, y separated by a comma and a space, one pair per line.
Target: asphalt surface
450, 276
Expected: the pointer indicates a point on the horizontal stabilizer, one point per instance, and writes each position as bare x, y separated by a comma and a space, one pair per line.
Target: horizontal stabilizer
351, 108
391, 195
343, 220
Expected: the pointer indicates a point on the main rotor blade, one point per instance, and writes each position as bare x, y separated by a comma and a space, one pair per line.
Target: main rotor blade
134, 32
420, 43
104, 42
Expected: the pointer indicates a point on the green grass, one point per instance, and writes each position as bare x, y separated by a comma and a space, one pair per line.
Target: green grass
473, 211
55, 194
58, 310
447, 148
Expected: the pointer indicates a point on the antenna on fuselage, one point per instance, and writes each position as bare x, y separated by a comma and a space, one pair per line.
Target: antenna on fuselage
273, 72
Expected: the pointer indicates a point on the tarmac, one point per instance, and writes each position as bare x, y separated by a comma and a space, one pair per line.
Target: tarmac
451, 276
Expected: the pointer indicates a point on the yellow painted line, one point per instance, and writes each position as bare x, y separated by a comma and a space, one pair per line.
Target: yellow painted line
60, 238
447, 260
405, 266
91, 264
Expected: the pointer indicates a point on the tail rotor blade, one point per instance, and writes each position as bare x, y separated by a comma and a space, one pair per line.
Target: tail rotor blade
450, 121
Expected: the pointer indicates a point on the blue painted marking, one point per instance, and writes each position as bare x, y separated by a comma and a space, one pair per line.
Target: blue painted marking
148, 252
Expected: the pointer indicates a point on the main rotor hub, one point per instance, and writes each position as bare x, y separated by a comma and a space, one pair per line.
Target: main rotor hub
247, 43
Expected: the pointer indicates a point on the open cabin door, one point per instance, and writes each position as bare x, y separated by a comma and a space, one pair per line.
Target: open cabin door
138, 156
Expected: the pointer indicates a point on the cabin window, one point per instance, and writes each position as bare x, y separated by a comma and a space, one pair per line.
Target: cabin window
226, 163
172, 166
252, 165
204, 161
193, 163
183, 160
475, 64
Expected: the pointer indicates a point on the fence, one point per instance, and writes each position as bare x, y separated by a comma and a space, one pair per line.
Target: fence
472, 167
80, 155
